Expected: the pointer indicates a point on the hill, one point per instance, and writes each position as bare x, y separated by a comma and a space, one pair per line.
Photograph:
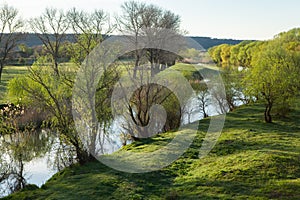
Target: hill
252, 160
206, 42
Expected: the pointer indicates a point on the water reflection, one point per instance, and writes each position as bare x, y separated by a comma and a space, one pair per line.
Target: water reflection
22, 153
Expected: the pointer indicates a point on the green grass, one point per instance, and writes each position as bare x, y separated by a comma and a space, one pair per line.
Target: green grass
188, 69
252, 160
9, 72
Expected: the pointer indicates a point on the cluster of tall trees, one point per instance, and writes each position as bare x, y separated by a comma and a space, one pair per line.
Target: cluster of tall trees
146, 20
49, 82
52, 26
270, 70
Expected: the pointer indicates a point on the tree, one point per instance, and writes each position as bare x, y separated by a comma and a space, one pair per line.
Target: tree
51, 29
246, 53
151, 30
273, 77
11, 33
204, 100
142, 20
215, 54
90, 30
157, 23
131, 23
49, 84
232, 77
43, 89
225, 55
152, 108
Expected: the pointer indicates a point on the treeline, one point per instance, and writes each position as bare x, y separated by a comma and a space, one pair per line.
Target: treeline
30, 47
208, 42
267, 71
234, 55
31, 40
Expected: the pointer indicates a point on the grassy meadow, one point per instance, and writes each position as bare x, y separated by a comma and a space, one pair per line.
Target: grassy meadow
252, 160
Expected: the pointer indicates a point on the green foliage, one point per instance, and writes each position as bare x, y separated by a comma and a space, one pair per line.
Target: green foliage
237, 55
86, 42
271, 68
9, 73
273, 78
225, 54
215, 54
42, 88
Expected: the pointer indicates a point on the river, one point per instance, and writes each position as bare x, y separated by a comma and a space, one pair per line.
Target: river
39, 161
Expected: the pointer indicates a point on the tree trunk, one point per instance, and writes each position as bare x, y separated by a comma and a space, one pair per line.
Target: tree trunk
1, 69
268, 117
136, 65
56, 68
83, 156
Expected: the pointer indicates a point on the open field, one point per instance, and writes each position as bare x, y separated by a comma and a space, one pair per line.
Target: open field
9, 72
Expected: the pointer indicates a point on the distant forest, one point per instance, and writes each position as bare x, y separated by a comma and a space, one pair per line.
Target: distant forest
29, 47
32, 40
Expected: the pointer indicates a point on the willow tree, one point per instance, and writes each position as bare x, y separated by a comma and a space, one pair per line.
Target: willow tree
273, 77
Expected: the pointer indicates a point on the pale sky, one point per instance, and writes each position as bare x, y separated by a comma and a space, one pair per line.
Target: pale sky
236, 19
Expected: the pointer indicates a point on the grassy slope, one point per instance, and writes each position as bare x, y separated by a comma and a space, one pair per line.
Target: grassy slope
252, 160
8, 73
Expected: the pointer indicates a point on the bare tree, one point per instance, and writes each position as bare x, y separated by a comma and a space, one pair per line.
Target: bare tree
219, 98
11, 33
51, 29
139, 20
156, 21
90, 29
204, 100
131, 23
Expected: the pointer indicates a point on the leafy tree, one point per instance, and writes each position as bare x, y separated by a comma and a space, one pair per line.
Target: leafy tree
225, 55
43, 89
234, 52
273, 78
246, 53
215, 54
